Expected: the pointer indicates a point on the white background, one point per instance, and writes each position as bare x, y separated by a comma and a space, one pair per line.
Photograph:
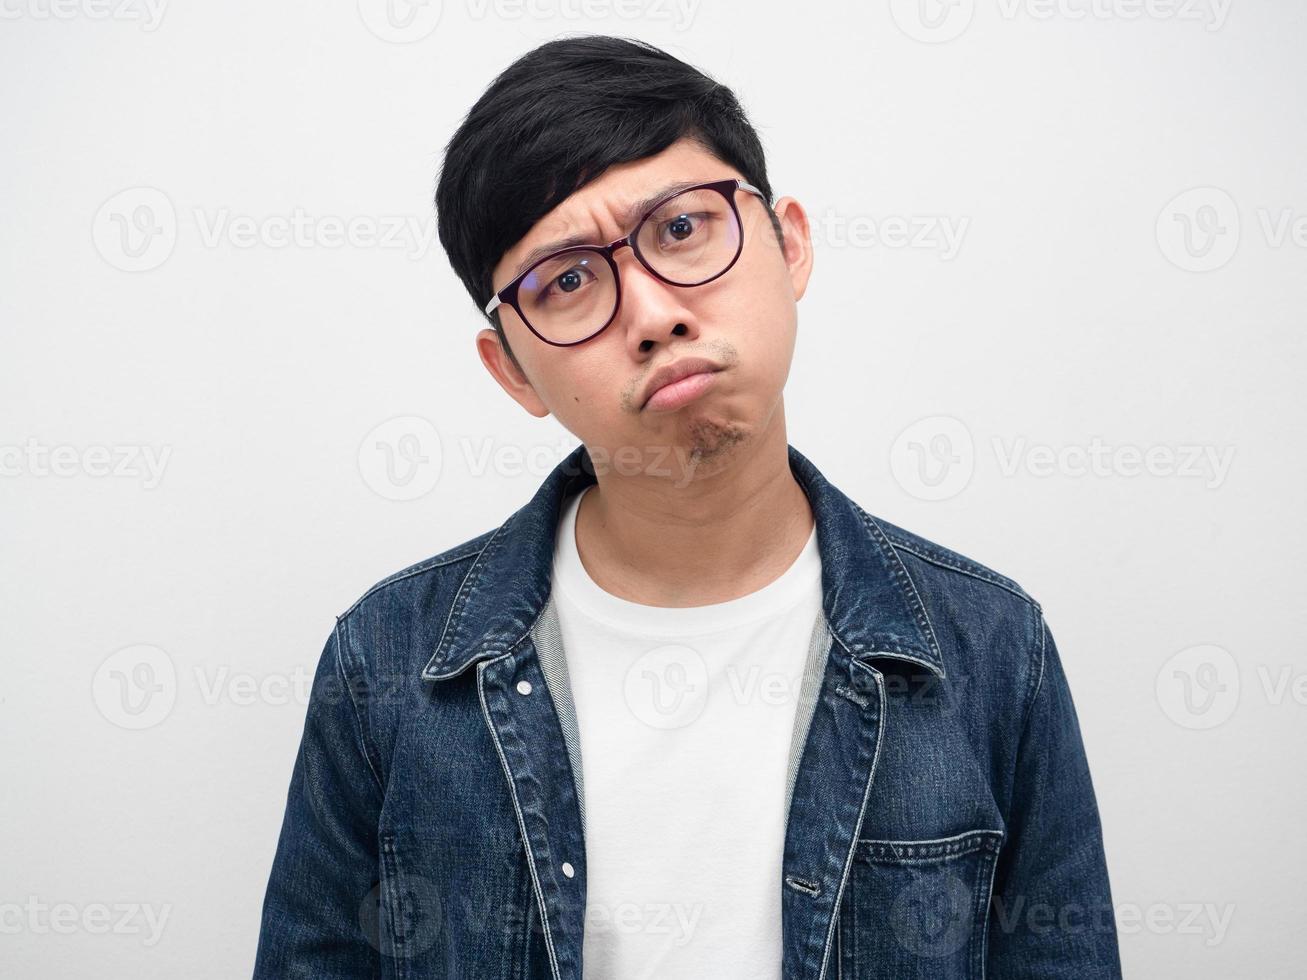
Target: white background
1086, 303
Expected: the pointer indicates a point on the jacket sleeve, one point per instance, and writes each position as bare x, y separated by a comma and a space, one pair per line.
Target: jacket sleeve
319, 911
1051, 915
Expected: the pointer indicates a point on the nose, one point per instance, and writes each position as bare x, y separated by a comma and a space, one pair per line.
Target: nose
652, 311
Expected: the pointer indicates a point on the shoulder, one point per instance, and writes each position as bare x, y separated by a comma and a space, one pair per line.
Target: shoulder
389, 633
988, 626
382, 641
418, 578
932, 559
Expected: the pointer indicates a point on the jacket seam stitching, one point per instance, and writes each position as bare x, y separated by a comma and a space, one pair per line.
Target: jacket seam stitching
1038, 683
978, 835
857, 828
541, 901
390, 866
362, 732
439, 561
992, 578
983, 957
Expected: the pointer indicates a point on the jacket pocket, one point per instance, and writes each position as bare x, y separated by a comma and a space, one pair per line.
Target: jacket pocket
918, 909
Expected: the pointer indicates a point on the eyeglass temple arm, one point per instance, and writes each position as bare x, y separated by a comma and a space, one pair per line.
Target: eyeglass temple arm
494, 302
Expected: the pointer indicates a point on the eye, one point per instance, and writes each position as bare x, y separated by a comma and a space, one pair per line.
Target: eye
568, 281
679, 228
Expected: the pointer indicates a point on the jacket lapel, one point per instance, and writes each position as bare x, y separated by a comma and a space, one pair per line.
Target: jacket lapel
873, 611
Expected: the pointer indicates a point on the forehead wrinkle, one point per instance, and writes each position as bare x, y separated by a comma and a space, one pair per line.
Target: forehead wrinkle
626, 217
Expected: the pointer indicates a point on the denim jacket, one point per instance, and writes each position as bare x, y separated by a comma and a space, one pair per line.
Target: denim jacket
942, 822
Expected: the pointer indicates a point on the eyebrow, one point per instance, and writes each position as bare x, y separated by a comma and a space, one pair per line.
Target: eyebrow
627, 217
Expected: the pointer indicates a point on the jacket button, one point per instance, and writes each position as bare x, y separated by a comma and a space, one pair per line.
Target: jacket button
568, 870
523, 687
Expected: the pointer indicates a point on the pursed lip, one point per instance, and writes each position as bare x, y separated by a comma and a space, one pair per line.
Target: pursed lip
674, 372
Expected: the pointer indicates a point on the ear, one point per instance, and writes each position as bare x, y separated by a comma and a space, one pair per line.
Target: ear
509, 376
798, 243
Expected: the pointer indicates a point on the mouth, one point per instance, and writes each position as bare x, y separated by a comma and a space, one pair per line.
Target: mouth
679, 384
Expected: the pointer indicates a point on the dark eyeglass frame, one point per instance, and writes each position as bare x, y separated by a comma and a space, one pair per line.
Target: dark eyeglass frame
507, 295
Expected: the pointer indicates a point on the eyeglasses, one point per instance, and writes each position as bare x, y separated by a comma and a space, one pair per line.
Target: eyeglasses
688, 239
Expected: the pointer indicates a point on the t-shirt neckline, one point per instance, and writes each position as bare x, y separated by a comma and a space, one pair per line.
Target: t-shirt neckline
778, 596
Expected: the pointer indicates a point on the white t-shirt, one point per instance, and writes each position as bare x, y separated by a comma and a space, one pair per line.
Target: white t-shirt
685, 717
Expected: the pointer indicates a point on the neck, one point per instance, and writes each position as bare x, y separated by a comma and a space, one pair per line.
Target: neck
716, 537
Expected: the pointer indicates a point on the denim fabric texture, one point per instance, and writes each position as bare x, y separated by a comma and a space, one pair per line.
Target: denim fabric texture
942, 819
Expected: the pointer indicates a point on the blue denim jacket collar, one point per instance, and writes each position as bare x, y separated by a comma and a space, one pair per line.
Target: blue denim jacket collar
869, 601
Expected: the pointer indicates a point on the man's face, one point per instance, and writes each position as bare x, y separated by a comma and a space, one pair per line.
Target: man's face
744, 322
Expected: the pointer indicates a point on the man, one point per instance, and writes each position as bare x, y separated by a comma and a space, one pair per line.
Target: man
690, 712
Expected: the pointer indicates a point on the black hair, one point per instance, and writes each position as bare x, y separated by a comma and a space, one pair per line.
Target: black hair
556, 119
